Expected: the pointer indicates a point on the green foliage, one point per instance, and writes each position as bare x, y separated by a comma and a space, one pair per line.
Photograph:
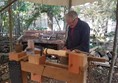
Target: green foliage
41, 28
27, 13
55, 10
23, 7
32, 18
99, 13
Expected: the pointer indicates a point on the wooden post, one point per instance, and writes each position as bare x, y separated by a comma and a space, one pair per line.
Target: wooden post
69, 5
36, 59
24, 77
10, 27
77, 63
114, 49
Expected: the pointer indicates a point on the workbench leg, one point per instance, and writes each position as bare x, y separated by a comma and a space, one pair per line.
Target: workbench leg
85, 77
24, 77
80, 78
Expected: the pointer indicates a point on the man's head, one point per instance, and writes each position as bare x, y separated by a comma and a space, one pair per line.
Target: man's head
71, 18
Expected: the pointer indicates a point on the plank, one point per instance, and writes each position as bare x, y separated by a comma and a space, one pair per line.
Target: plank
17, 56
56, 65
97, 59
54, 72
30, 67
63, 74
77, 62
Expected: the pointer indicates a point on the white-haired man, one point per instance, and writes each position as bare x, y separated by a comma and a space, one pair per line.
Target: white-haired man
78, 33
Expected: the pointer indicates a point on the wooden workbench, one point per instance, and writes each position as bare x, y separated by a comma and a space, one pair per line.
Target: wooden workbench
51, 70
74, 72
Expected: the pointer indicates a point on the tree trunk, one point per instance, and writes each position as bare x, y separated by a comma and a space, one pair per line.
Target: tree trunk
50, 20
19, 27
114, 48
10, 27
17, 20
64, 28
106, 26
1, 25
58, 23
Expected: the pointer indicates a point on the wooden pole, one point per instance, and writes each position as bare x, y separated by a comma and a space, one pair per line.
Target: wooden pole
69, 5
8, 5
69, 8
10, 27
114, 48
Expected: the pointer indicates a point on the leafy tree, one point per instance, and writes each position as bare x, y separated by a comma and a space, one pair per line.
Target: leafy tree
51, 11
98, 14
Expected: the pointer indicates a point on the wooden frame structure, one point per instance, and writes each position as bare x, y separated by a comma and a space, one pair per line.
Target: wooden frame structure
52, 72
74, 72
37, 66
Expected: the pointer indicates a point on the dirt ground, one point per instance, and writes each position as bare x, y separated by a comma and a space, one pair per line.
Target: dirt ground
100, 75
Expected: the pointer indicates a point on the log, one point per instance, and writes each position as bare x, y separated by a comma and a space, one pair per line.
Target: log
55, 52
97, 59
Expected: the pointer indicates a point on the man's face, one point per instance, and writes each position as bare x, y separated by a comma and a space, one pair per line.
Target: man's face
70, 21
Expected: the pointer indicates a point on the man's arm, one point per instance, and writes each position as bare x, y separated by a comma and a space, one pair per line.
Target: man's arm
65, 45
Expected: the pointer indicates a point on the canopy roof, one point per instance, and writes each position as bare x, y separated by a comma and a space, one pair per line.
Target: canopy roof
61, 2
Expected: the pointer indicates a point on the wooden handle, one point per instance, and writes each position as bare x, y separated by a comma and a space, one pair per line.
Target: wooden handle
55, 52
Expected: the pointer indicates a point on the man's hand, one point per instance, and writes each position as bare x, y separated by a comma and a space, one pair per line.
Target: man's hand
76, 51
64, 48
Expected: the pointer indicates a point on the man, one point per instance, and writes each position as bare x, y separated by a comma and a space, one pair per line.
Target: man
78, 33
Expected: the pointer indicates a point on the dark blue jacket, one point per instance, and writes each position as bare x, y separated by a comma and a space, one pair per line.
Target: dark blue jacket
80, 37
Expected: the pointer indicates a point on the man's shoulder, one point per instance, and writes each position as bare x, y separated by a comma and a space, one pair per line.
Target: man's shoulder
81, 25
84, 23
